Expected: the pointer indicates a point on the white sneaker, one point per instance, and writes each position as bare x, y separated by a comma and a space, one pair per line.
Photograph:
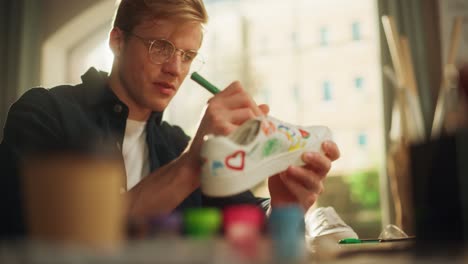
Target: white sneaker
325, 221
258, 149
324, 228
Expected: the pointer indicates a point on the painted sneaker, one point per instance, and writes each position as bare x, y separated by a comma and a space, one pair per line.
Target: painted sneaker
258, 149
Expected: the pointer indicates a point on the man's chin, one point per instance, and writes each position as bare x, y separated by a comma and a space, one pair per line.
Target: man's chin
158, 106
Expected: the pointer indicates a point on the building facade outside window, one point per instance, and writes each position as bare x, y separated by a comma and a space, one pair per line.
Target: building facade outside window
356, 31
327, 91
359, 83
324, 36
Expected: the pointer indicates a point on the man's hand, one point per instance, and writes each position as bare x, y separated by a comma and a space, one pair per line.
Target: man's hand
303, 185
225, 112
164, 189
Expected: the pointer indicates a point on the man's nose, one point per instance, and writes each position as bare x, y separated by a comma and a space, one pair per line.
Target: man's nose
174, 65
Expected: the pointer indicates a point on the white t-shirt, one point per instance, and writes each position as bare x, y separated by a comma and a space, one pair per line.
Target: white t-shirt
135, 152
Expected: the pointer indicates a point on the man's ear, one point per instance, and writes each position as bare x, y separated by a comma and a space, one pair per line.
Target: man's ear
116, 41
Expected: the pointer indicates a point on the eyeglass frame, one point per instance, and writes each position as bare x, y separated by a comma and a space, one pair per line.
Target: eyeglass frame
150, 43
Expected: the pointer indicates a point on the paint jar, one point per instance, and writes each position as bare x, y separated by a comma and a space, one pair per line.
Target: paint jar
202, 222
242, 229
170, 225
287, 229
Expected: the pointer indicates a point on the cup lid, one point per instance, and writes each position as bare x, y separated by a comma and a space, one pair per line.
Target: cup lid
202, 222
246, 214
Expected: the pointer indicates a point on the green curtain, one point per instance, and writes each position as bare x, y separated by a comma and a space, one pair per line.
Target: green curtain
19, 51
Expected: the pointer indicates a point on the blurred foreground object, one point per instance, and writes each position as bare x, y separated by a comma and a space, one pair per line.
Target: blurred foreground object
74, 198
202, 222
243, 226
407, 121
463, 81
463, 88
287, 230
408, 128
448, 101
439, 169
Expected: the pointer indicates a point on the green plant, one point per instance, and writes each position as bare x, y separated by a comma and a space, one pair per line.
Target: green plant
364, 187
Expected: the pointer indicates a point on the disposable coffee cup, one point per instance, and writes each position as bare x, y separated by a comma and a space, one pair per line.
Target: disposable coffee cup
74, 199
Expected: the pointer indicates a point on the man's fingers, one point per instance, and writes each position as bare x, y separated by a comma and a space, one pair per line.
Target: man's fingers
264, 108
239, 98
305, 196
317, 162
312, 182
239, 116
331, 150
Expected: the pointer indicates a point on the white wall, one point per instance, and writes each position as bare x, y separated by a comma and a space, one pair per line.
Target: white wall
62, 35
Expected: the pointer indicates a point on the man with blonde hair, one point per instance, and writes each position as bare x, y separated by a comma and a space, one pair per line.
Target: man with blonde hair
154, 42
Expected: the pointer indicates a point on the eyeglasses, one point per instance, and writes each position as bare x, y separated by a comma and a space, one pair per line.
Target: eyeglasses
162, 50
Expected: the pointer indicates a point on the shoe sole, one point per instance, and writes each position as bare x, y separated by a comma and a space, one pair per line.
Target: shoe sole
235, 183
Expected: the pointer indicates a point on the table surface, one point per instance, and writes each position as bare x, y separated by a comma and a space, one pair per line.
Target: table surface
176, 250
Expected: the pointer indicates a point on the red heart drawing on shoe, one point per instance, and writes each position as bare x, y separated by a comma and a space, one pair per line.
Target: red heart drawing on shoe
236, 161
304, 133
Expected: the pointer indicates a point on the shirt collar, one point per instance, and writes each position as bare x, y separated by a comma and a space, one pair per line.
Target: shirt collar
100, 94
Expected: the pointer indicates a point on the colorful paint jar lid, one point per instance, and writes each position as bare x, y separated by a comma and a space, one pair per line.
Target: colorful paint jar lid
287, 228
289, 219
242, 229
202, 222
170, 224
246, 214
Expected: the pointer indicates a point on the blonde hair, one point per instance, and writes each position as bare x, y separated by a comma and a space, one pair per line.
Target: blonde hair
131, 13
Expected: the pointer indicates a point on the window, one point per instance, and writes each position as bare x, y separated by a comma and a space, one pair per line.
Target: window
327, 91
362, 140
284, 64
266, 94
359, 83
356, 31
264, 45
324, 38
295, 39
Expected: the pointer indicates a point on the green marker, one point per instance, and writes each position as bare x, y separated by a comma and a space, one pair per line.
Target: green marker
358, 241
206, 84
374, 240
